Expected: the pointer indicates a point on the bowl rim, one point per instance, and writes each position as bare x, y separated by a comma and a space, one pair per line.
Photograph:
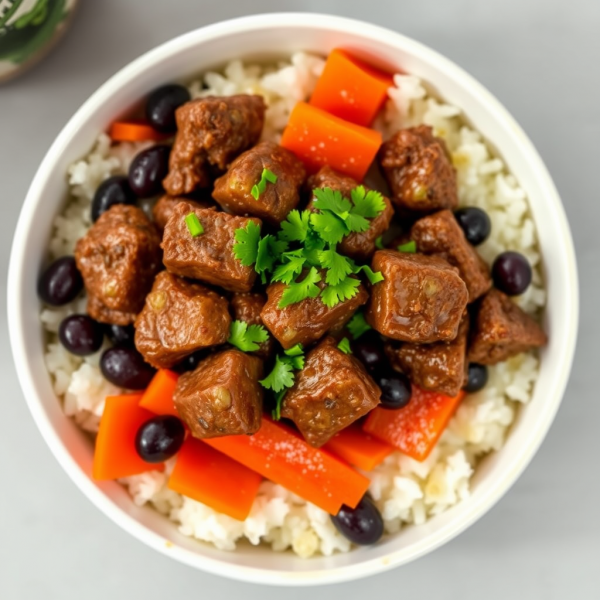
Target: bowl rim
17, 272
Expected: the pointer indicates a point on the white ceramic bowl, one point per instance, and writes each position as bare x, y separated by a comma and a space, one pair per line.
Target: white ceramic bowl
266, 36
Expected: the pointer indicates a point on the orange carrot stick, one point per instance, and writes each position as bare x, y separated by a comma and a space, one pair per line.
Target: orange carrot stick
351, 89
134, 131
358, 448
210, 477
416, 428
318, 139
115, 455
158, 396
281, 455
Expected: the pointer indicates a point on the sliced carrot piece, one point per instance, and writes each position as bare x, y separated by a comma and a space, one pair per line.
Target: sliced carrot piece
134, 131
351, 89
115, 455
210, 477
158, 396
281, 455
358, 448
416, 428
318, 139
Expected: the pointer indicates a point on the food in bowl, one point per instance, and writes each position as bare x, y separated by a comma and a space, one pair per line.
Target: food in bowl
315, 301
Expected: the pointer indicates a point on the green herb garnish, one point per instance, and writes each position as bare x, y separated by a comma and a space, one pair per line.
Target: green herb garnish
300, 290
247, 238
247, 337
314, 236
379, 243
358, 325
261, 186
409, 247
193, 224
344, 346
282, 376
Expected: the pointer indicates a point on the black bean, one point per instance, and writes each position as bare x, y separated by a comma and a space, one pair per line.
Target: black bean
81, 335
475, 223
362, 525
511, 273
162, 104
60, 283
159, 438
125, 367
147, 171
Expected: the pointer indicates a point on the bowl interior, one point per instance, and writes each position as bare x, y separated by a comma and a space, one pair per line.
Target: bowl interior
261, 37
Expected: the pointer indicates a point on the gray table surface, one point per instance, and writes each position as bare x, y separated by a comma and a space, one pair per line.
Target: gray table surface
542, 540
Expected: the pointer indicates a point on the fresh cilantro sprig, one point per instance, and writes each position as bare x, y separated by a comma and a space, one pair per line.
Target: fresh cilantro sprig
338, 217
358, 325
247, 337
300, 290
315, 236
282, 376
261, 186
344, 346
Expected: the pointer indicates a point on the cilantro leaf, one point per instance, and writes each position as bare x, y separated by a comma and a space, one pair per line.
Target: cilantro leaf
379, 243
344, 346
280, 377
409, 247
268, 252
287, 272
331, 228
373, 276
367, 204
338, 266
334, 294
357, 223
300, 290
296, 350
247, 238
331, 200
358, 325
247, 338
312, 246
297, 362
295, 227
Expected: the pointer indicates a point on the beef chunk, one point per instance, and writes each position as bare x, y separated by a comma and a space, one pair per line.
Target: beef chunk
247, 308
208, 256
440, 235
306, 321
421, 299
222, 395
211, 132
418, 169
233, 190
179, 317
439, 367
118, 258
163, 209
330, 393
359, 246
501, 330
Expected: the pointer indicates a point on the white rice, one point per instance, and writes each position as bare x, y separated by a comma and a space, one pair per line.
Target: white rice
406, 491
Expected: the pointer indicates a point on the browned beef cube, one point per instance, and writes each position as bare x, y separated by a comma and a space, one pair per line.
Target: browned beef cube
233, 191
439, 367
163, 209
418, 169
501, 330
306, 321
331, 392
211, 132
247, 308
179, 317
440, 235
209, 256
359, 246
421, 299
222, 395
118, 258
